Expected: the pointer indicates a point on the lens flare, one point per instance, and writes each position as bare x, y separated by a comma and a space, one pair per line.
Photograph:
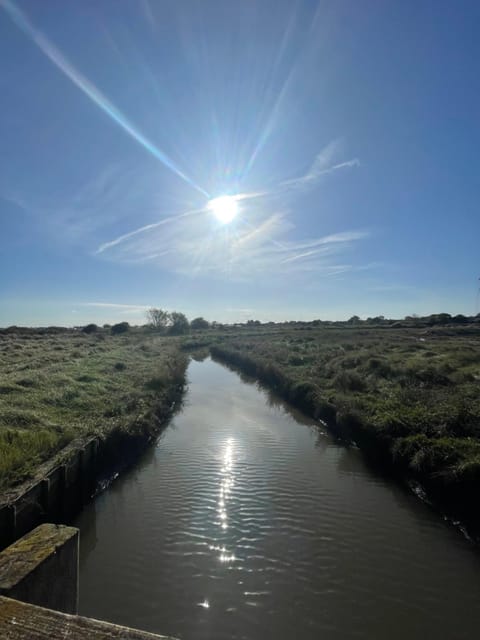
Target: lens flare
224, 208
89, 89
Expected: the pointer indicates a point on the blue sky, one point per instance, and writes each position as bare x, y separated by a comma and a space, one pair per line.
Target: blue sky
348, 130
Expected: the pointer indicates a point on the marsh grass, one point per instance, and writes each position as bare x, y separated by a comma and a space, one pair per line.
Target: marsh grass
413, 394
54, 389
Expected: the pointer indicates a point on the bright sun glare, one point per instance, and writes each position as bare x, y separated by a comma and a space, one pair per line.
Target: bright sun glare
224, 208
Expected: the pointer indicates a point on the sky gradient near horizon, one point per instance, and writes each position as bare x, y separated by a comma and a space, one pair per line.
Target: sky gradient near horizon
348, 130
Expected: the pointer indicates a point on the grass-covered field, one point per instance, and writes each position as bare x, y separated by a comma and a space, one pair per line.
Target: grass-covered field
411, 397
58, 387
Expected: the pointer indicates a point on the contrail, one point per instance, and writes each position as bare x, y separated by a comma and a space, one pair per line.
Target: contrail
113, 243
89, 89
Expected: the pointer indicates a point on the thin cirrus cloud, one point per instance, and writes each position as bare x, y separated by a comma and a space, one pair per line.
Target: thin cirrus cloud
148, 227
105, 202
257, 243
191, 242
127, 309
323, 164
198, 245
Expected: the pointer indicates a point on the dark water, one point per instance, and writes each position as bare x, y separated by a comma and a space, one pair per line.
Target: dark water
246, 521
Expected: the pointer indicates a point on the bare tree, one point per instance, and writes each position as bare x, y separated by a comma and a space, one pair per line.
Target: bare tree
158, 318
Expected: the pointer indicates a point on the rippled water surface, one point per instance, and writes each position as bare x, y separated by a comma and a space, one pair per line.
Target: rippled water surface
247, 521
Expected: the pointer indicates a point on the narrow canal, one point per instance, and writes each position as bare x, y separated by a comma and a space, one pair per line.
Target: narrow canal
247, 521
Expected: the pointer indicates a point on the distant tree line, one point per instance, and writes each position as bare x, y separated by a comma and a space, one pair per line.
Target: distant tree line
174, 322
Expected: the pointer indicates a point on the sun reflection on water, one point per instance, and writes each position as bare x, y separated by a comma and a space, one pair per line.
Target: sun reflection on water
224, 495
225, 491
226, 483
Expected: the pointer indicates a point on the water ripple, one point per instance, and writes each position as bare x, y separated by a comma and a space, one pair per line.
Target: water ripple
237, 525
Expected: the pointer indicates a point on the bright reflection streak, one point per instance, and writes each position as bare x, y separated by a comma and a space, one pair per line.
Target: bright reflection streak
61, 62
226, 485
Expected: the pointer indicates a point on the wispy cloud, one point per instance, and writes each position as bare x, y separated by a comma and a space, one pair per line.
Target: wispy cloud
108, 200
191, 241
323, 164
147, 10
120, 308
16, 201
240, 309
148, 227
74, 218
258, 243
113, 305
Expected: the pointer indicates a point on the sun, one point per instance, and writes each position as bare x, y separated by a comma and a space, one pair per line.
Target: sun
224, 208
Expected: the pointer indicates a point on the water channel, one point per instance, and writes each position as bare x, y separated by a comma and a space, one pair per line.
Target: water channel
247, 521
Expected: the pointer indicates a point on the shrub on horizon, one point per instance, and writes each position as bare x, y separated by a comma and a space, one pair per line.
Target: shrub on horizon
120, 327
90, 328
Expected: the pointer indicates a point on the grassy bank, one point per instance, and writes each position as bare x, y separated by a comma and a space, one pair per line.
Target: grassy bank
409, 398
55, 388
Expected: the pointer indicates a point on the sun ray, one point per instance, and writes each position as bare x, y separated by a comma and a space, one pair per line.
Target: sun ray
89, 89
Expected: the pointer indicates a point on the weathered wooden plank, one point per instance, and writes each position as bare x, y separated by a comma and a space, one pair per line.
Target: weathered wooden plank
22, 621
